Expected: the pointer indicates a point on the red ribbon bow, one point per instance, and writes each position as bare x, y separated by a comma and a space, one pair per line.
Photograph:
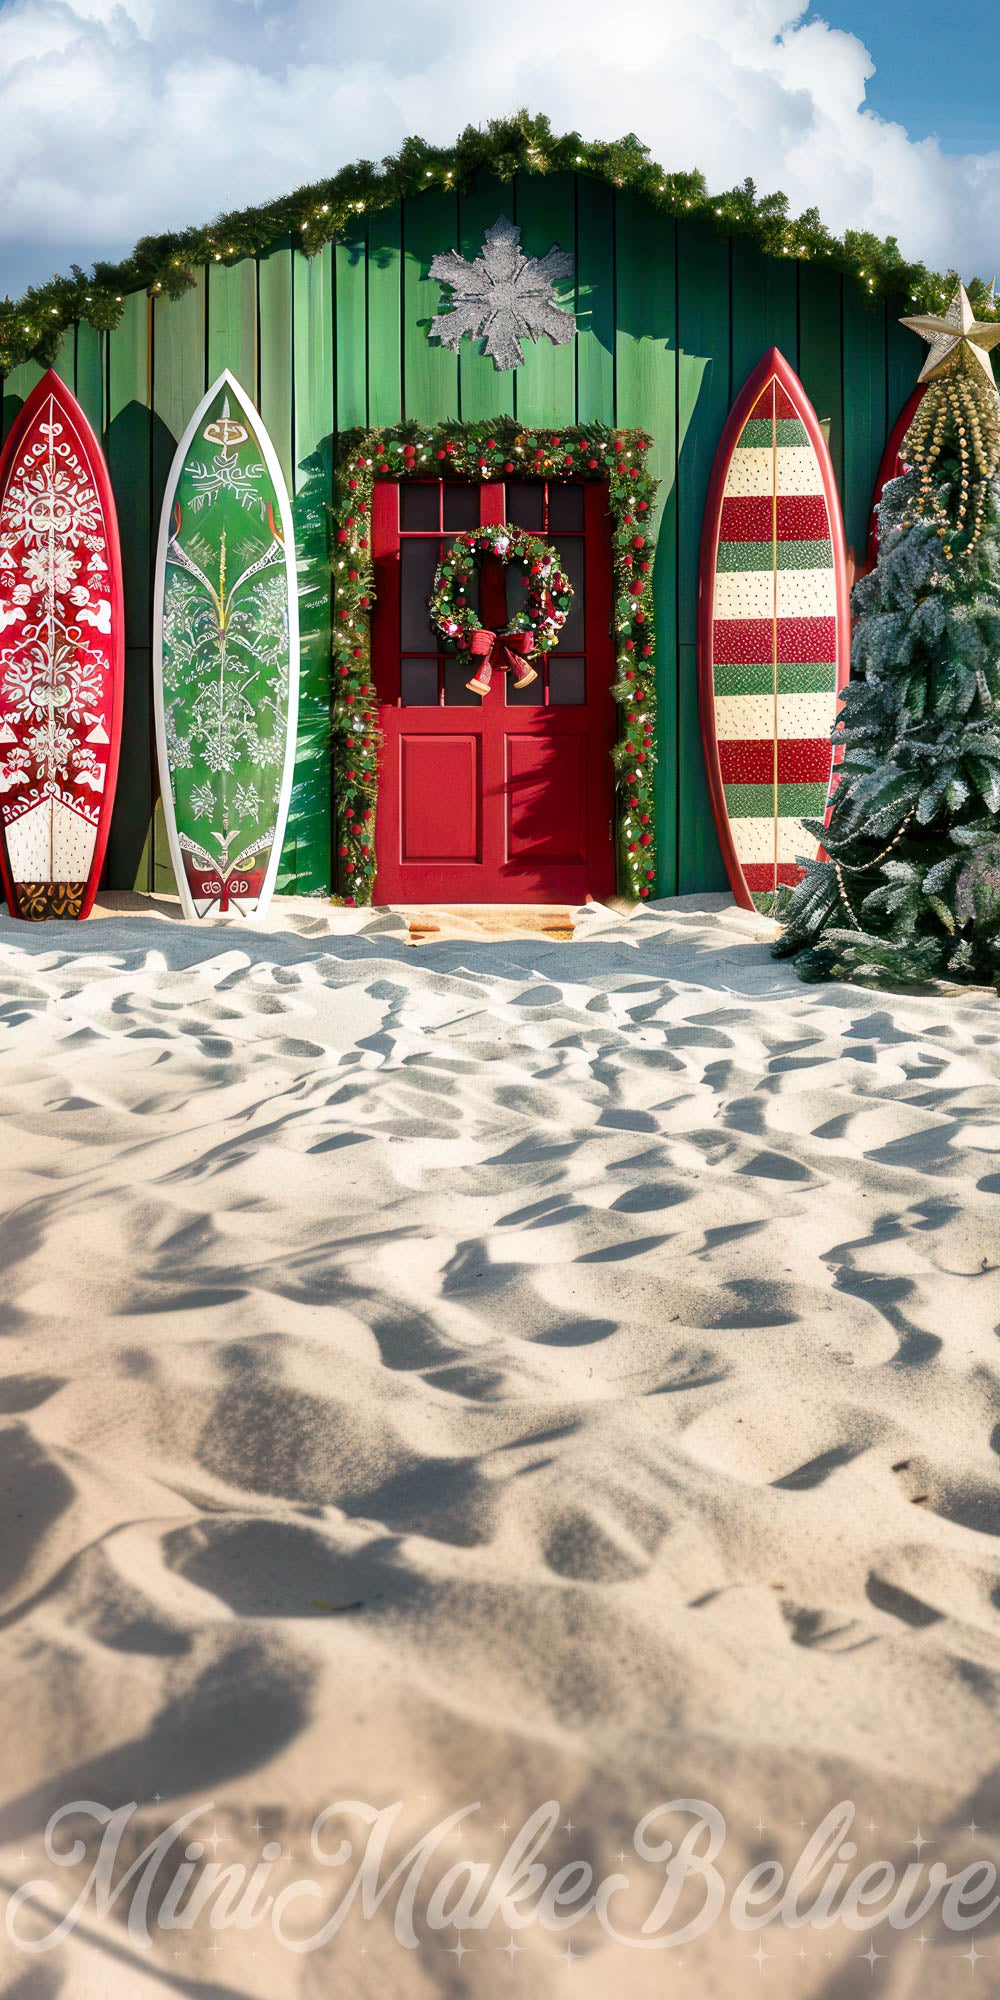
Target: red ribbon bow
503, 652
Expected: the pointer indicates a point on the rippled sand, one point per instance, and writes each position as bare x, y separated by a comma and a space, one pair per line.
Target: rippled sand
495, 1373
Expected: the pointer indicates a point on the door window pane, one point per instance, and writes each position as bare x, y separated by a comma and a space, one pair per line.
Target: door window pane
418, 683
526, 503
418, 561
457, 671
571, 558
461, 506
529, 697
419, 505
565, 507
567, 682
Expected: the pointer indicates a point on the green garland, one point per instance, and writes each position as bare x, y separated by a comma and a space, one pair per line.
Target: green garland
32, 327
492, 450
549, 598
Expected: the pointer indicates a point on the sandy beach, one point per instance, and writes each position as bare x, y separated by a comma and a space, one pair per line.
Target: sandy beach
486, 1374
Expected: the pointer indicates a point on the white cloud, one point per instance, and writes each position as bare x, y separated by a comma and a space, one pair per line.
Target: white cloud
123, 117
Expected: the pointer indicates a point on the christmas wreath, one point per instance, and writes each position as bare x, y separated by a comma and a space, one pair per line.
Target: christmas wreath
534, 629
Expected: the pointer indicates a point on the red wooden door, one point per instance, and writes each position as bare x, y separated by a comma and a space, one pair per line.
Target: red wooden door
508, 798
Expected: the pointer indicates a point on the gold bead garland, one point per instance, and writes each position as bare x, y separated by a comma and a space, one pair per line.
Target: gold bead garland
960, 406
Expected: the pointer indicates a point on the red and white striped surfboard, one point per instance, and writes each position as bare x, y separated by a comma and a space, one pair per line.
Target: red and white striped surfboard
775, 636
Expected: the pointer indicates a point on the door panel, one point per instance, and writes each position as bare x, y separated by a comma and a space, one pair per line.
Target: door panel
509, 798
440, 792
547, 798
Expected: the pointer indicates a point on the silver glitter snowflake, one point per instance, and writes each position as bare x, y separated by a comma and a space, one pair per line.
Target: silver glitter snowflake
503, 295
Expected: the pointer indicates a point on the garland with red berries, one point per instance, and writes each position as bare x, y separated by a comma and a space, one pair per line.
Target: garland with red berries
492, 450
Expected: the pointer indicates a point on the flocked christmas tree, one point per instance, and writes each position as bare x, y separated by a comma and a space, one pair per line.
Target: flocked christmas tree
911, 888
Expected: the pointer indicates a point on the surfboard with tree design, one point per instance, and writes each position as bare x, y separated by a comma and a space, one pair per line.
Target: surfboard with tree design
225, 665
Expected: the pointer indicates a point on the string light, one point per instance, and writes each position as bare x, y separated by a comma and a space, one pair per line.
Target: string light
532, 148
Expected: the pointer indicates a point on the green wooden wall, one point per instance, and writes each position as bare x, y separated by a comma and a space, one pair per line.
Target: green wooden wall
671, 319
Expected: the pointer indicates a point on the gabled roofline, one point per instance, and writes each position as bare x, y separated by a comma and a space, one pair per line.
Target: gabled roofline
31, 327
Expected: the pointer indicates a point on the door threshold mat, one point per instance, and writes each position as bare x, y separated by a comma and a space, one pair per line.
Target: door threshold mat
488, 921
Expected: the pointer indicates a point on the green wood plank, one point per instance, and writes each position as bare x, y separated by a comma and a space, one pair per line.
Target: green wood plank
765, 309
645, 312
64, 360
312, 359
865, 422
305, 867
483, 391
595, 301
905, 356
351, 353
136, 790
90, 369
128, 445
179, 383
545, 387
232, 323
704, 396
385, 275
179, 379
430, 372
17, 387
274, 294
821, 360
128, 452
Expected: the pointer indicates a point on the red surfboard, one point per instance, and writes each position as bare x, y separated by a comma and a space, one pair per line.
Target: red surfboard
890, 468
775, 632
62, 657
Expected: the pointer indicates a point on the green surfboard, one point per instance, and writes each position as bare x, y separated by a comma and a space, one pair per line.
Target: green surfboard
225, 658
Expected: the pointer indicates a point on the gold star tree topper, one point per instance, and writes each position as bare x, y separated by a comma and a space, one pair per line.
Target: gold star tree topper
958, 341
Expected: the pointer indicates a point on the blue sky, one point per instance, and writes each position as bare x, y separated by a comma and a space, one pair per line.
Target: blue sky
120, 118
937, 67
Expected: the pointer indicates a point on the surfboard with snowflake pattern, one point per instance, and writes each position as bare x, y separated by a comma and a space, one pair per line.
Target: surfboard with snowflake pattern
774, 632
225, 657
62, 657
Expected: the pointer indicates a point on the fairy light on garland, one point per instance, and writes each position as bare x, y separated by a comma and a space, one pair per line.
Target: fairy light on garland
492, 450
32, 327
